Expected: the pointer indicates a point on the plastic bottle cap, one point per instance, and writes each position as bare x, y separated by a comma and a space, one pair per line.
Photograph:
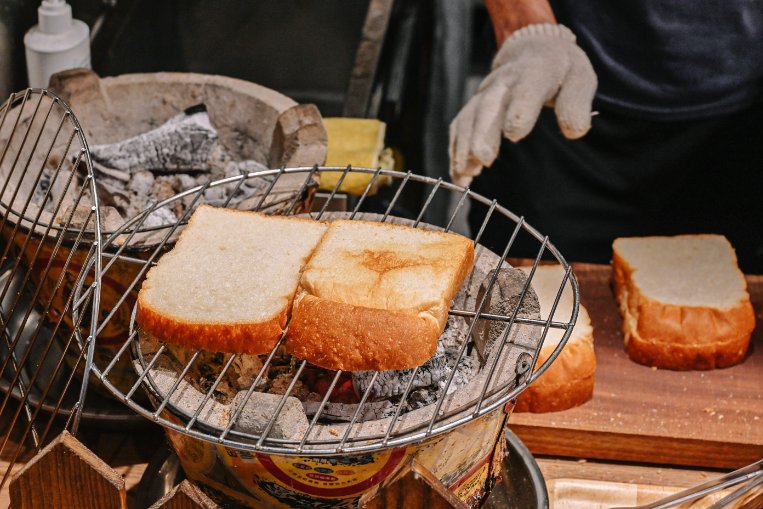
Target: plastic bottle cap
54, 16
58, 42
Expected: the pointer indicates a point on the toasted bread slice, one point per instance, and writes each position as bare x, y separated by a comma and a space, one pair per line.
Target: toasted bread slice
684, 301
375, 296
569, 381
228, 284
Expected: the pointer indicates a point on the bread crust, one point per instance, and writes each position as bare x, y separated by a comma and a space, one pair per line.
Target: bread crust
230, 337
335, 335
683, 357
678, 337
567, 383
246, 338
330, 332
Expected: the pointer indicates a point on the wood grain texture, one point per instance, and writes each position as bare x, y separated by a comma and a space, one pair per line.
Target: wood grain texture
593, 470
185, 496
367, 57
414, 487
580, 494
711, 419
67, 474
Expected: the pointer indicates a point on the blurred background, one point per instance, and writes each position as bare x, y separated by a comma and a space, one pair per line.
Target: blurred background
409, 63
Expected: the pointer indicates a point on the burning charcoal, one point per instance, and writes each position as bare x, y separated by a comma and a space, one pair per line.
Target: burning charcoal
215, 195
200, 180
41, 191
159, 217
205, 370
502, 300
185, 396
281, 384
420, 398
114, 195
186, 181
141, 183
165, 186
290, 423
453, 335
110, 218
238, 167
343, 412
183, 143
63, 189
465, 370
246, 368
393, 383
250, 192
102, 171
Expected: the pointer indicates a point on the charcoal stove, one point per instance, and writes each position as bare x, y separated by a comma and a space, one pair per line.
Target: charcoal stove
318, 450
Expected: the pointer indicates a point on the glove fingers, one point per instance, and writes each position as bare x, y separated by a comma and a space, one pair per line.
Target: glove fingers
471, 170
486, 137
460, 133
573, 103
527, 99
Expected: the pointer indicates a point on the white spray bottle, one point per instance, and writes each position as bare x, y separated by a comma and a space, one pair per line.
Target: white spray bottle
58, 42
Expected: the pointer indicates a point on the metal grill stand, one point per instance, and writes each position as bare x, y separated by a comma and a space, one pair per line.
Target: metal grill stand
50, 228
193, 417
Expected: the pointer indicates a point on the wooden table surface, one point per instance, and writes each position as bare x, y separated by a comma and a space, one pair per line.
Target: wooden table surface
707, 419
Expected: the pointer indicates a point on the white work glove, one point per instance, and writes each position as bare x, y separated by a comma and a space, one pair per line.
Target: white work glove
537, 65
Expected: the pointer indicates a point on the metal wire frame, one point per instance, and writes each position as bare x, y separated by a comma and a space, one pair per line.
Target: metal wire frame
44, 370
751, 474
490, 399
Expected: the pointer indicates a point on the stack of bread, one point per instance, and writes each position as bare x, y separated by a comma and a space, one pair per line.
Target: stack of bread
684, 301
569, 381
361, 295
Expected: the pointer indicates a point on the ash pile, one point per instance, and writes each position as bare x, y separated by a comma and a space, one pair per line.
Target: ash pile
45, 173
184, 152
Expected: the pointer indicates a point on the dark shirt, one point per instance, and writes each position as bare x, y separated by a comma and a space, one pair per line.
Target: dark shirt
671, 59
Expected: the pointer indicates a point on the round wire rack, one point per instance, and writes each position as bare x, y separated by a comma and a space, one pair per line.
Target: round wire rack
129, 252
49, 229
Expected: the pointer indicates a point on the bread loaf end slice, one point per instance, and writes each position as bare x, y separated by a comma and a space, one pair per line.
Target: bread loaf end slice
684, 301
569, 381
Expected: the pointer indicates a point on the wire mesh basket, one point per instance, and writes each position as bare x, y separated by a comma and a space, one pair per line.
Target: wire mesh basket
50, 227
362, 427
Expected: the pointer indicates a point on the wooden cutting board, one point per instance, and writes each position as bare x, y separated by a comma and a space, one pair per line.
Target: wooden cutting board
699, 418
587, 494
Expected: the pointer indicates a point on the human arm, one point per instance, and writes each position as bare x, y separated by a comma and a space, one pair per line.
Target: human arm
538, 64
508, 16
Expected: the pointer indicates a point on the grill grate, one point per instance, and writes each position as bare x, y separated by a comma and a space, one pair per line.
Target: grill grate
505, 374
49, 228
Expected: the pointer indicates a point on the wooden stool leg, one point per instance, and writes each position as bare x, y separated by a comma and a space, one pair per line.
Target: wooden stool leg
413, 487
67, 474
185, 496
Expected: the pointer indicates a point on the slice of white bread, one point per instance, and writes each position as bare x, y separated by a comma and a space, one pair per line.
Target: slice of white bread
684, 301
375, 296
228, 284
569, 381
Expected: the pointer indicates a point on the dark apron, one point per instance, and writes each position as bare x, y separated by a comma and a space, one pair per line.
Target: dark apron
631, 177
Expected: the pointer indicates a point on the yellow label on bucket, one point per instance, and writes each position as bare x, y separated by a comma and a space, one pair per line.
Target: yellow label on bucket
463, 459
332, 477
